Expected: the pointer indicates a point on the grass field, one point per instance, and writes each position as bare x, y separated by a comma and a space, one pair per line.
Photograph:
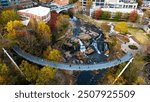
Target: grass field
139, 34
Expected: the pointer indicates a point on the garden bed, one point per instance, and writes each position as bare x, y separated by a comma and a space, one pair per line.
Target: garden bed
133, 47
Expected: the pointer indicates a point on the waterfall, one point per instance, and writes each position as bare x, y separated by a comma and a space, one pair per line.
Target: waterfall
112, 29
95, 46
106, 48
82, 47
99, 37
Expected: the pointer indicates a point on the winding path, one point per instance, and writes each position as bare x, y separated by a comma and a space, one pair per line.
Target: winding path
81, 67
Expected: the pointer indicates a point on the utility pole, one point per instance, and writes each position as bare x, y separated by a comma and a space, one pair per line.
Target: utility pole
123, 70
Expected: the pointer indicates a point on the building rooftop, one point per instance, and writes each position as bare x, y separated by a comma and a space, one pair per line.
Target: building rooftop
39, 11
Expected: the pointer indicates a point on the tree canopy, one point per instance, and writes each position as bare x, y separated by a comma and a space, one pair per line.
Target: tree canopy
12, 27
62, 25
121, 27
97, 13
46, 76
133, 16
30, 71
53, 54
44, 32
8, 15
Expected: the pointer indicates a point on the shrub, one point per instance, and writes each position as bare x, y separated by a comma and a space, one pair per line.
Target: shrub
105, 15
97, 14
133, 16
105, 27
133, 47
117, 16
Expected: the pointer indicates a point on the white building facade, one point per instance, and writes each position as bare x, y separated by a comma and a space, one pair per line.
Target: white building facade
39, 13
111, 3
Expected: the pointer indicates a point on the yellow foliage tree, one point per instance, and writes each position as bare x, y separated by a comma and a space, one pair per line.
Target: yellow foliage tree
46, 76
140, 80
44, 31
8, 15
62, 24
11, 28
4, 74
30, 71
55, 55
121, 27
47, 51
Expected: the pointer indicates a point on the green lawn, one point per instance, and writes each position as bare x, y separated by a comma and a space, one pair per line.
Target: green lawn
139, 34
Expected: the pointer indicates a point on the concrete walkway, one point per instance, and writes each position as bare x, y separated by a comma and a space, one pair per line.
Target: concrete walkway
125, 48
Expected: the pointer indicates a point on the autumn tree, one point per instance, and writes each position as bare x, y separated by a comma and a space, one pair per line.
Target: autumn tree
140, 2
133, 16
134, 72
53, 20
145, 17
30, 44
46, 76
6, 77
52, 54
33, 24
4, 43
62, 25
12, 28
78, 6
111, 74
4, 73
8, 15
147, 13
72, 1
121, 27
97, 13
89, 4
133, 75
117, 16
105, 27
43, 34
30, 71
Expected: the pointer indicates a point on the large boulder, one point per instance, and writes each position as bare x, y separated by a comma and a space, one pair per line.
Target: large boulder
84, 37
89, 51
94, 34
67, 54
75, 40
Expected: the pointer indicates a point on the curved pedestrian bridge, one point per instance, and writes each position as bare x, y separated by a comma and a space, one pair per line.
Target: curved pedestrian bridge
65, 66
58, 9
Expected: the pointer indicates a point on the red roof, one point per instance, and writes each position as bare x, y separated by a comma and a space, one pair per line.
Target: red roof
61, 2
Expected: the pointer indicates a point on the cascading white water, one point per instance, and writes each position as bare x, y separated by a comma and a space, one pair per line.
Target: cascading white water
82, 47
99, 37
112, 28
95, 46
106, 48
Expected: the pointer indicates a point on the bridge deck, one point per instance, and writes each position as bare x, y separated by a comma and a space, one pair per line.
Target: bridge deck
81, 67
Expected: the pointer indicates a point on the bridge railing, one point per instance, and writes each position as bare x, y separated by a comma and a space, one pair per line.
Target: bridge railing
68, 66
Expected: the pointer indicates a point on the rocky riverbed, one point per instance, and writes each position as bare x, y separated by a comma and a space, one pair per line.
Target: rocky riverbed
86, 45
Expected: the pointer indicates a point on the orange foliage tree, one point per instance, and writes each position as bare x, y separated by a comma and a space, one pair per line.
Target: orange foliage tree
133, 16
97, 13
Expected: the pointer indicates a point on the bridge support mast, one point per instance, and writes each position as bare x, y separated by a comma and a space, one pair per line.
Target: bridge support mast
123, 70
